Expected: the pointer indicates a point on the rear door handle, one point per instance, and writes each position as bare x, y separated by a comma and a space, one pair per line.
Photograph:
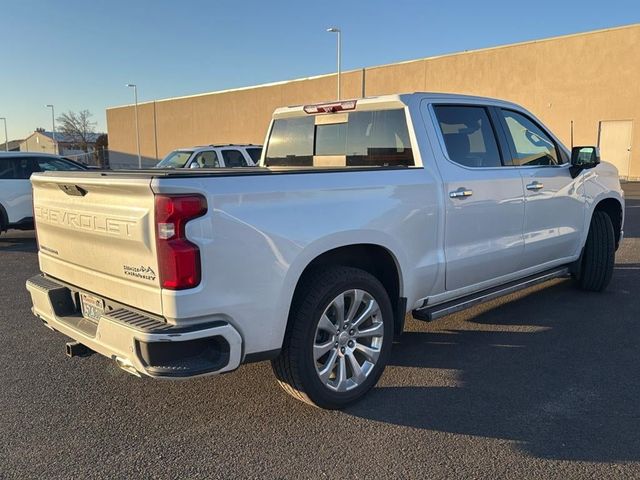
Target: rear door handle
535, 186
461, 193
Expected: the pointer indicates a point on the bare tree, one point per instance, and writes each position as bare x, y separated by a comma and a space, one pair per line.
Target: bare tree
78, 126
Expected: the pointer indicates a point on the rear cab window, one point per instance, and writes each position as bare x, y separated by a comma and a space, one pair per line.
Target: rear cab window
373, 138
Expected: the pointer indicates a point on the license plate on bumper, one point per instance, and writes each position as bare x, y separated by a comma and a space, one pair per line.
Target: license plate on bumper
92, 306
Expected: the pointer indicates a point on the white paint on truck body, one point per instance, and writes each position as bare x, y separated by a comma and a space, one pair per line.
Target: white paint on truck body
262, 229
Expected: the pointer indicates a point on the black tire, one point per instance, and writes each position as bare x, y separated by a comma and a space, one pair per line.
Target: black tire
598, 257
295, 367
3, 220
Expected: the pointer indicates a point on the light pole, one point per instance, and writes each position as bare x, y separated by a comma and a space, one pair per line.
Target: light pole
135, 96
339, 32
53, 125
6, 138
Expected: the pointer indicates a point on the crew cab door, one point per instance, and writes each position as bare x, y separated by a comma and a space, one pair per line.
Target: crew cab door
484, 204
554, 202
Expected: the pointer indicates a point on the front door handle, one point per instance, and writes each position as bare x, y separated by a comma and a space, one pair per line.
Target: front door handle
535, 186
461, 193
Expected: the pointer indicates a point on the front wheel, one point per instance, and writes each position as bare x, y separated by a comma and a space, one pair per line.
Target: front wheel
598, 258
339, 340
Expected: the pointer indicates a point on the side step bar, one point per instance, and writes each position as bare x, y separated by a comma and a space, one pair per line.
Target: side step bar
452, 306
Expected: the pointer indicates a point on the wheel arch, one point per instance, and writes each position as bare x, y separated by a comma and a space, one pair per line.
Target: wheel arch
613, 208
374, 258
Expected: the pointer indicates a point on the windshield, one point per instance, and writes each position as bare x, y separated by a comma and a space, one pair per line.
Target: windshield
176, 159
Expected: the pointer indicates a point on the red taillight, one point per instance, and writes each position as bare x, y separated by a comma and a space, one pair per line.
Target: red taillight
178, 258
330, 107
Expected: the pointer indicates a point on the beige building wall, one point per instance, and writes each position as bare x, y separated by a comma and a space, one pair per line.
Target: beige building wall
585, 78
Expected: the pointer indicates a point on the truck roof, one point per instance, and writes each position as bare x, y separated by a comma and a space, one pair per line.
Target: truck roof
394, 100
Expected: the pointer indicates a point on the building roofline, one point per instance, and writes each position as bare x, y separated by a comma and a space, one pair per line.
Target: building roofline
403, 62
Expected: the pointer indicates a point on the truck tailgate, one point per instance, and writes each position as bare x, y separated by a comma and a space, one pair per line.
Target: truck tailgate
98, 232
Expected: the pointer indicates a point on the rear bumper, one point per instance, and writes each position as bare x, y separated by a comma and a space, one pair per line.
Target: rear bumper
140, 344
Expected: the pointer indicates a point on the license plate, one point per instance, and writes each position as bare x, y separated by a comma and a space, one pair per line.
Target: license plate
92, 307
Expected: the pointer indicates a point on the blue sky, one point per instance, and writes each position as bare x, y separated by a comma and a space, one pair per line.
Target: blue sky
79, 54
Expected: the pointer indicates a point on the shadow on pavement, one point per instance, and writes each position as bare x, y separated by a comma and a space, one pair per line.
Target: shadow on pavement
632, 218
555, 370
14, 243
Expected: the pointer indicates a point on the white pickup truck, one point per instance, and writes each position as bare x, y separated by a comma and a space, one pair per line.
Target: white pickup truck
360, 212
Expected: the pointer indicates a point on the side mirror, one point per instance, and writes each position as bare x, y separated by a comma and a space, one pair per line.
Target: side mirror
583, 158
194, 165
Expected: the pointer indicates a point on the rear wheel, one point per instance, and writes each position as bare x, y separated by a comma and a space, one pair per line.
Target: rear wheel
341, 330
598, 258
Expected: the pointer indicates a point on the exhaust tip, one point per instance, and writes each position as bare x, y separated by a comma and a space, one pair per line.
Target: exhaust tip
77, 349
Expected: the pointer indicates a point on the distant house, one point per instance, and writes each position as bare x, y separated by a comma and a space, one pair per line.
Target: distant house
43, 141
13, 146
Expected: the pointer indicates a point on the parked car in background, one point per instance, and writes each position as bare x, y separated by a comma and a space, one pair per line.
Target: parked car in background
213, 156
362, 211
16, 205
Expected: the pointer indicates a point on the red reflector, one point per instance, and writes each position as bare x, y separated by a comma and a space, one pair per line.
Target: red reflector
330, 107
178, 258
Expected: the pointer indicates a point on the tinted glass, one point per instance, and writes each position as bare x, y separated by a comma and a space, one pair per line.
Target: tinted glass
8, 168
255, 154
530, 145
233, 158
207, 159
468, 135
291, 142
331, 139
17, 168
54, 164
376, 138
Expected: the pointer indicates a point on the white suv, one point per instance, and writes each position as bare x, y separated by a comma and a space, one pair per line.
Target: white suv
213, 156
16, 210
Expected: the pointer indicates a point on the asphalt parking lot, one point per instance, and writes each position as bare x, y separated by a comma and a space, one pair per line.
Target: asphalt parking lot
542, 384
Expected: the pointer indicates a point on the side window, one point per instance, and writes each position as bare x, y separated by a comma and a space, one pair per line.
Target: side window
8, 168
207, 159
46, 164
468, 135
233, 158
530, 144
255, 154
19, 168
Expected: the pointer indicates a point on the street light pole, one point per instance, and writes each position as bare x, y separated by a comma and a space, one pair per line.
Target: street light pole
135, 96
53, 125
6, 138
339, 54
